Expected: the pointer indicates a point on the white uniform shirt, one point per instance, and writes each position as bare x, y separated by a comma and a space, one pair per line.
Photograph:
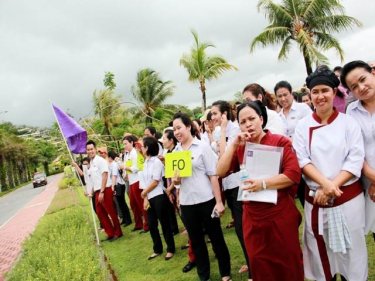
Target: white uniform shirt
205, 138
296, 113
88, 182
119, 179
98, 166
366, 121
330, 148
153, 169
274, 123
197, 188
132, 157
231, 133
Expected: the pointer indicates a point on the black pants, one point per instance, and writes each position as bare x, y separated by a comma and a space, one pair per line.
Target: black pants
196, 217
123, 209
159, 211
301, 192
236, 208
172, 217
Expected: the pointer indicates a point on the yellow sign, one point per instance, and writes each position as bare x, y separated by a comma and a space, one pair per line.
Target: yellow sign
129, 163
178, 162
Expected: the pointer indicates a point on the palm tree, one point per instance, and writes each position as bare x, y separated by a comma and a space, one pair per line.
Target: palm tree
106, 103
202, 67
151, 92
310, 23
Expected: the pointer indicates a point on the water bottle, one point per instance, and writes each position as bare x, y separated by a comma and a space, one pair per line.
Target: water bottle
244, 175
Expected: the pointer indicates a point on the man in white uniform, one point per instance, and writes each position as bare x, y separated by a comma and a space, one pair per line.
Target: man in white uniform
105, 208
291, 111
358, 77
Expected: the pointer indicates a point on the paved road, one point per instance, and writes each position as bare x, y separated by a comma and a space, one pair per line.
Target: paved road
11, 203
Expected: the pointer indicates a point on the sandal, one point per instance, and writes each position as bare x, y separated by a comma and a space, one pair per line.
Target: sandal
230, 225
154, 255
243, 269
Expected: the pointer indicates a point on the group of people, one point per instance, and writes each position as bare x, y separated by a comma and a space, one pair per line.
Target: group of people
327, 139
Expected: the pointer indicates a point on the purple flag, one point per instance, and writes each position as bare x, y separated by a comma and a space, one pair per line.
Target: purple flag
75, 135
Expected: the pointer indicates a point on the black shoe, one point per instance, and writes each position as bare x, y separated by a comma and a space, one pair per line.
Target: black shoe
126, 223
184, 247
108, 239
136, 228
143, 231
115, 238
189, 266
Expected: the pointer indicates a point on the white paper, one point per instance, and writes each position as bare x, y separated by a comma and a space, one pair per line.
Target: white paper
261, 162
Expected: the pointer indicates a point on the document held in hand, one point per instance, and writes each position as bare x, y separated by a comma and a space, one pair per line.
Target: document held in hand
261, 162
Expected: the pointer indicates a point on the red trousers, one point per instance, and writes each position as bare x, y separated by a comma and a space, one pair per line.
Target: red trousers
136, 204
107, 210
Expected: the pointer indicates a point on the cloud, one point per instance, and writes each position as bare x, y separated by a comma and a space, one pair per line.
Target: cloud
59, 50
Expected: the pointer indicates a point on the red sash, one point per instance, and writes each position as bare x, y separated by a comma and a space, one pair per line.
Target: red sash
349, 192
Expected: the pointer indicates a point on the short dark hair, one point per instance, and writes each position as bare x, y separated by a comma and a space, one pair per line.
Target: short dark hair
90, 142
185, 119
170, 135
85, 159
257, 90
283, 84
112, 154
224, 106
130, 138
209, 116
337, 68
151, 129
258, 107
349, 67
152, 146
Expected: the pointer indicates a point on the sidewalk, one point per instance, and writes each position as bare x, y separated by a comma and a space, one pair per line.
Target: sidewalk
18, 228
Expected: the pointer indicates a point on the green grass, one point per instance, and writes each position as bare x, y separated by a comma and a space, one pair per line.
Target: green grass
128, 257
62, 247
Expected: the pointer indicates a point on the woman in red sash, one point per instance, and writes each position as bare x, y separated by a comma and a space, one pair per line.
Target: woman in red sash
270, 230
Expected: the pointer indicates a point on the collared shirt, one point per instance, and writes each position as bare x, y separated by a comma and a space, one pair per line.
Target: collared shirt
366, 121
153, 170
296, 113
131, 161
87, 179
197, 188
111, 171
274, 123
98, 166
331, 148
114, 171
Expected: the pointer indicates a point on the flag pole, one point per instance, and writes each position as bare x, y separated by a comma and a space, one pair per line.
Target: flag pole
79, 177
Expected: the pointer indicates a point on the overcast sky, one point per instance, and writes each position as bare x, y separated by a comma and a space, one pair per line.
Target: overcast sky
59, 50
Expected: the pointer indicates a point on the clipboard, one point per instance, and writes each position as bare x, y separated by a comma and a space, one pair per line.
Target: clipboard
261, 161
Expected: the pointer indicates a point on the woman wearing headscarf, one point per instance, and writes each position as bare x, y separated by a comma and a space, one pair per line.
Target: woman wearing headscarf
330, 152
270, 230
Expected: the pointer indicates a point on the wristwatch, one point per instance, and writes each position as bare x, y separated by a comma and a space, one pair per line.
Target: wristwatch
264, 185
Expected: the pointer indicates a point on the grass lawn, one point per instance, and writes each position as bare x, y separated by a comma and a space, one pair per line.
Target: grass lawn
128, 257
62, 246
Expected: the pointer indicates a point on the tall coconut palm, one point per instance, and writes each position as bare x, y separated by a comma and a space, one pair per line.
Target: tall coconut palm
151, 92
106, 105
310, 23
202, 67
